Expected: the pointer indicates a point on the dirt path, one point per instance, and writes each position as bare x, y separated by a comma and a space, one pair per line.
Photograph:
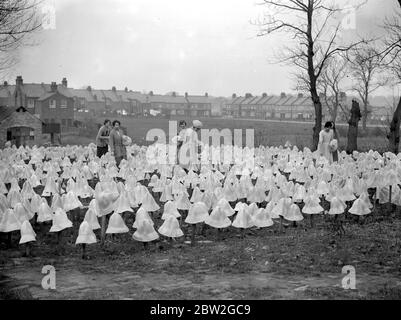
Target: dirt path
96, 284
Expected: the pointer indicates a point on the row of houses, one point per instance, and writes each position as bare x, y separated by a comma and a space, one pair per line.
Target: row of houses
128, 102
58, 104
270, 107
35, 97
299, 107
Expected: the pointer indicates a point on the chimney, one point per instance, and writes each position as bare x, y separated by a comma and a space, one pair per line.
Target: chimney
114, 89
126, 89
64, 82
173, 94
151, 93
264, 94
19, 81
234, 96
300, 95
95, 97
248, 95
5, 83
206, 94
282, 95
89, 88
53, 87
186, 94
343, 95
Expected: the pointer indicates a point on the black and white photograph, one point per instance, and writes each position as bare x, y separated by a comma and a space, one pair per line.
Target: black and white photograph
200, 155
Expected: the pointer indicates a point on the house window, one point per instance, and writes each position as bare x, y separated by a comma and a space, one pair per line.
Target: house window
31, 103
282, 115
52, 103
63, 103
69, 122
63, 122
51, 120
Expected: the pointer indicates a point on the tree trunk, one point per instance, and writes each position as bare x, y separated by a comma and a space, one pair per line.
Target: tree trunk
394, 136
353, 127
312, 77
318, 118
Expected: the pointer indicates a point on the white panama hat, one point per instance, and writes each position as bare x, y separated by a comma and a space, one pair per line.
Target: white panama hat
197, 124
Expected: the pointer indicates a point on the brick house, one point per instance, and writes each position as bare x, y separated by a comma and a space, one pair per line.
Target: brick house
48, 102
56, 106
20, 127
233, 106
199, 105
169, 104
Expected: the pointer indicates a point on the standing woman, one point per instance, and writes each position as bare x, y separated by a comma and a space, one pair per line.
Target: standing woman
181, 136
325, 137
102, 138
117, 148
334, 143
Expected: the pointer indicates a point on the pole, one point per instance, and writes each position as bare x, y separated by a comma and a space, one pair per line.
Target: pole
103, 230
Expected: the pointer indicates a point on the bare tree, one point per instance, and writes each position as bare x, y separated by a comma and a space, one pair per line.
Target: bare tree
365, 66
313, 30
18, 19
392, 59
331, 84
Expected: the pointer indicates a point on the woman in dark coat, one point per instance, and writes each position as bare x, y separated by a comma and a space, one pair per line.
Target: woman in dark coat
117, 148
335, 152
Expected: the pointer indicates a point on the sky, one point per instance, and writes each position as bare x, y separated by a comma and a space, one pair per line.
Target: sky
176, 45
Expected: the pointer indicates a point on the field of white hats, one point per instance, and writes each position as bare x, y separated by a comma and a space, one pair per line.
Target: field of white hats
274, 208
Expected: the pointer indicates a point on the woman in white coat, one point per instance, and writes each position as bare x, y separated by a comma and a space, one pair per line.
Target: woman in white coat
189, 152
325, 136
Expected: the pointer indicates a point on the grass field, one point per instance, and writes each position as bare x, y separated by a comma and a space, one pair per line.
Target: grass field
266, 133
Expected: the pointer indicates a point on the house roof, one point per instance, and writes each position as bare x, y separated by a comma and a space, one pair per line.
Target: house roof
82, 93
257, 99
111, 95
238, 100
264, 100
98, 95
167, 99
302, 101
290, 101
47, 95
5, 112
198, 99
273, 100
248, 100
282, 100
138, 96
123, 95
34, 90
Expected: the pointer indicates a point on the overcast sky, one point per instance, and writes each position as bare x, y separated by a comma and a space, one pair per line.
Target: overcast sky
176, 45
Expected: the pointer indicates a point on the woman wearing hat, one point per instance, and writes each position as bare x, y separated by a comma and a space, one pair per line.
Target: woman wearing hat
325, 137
117, 147
188, 154
181, 135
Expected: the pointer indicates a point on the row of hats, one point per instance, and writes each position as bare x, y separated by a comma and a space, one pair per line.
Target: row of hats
247, 216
